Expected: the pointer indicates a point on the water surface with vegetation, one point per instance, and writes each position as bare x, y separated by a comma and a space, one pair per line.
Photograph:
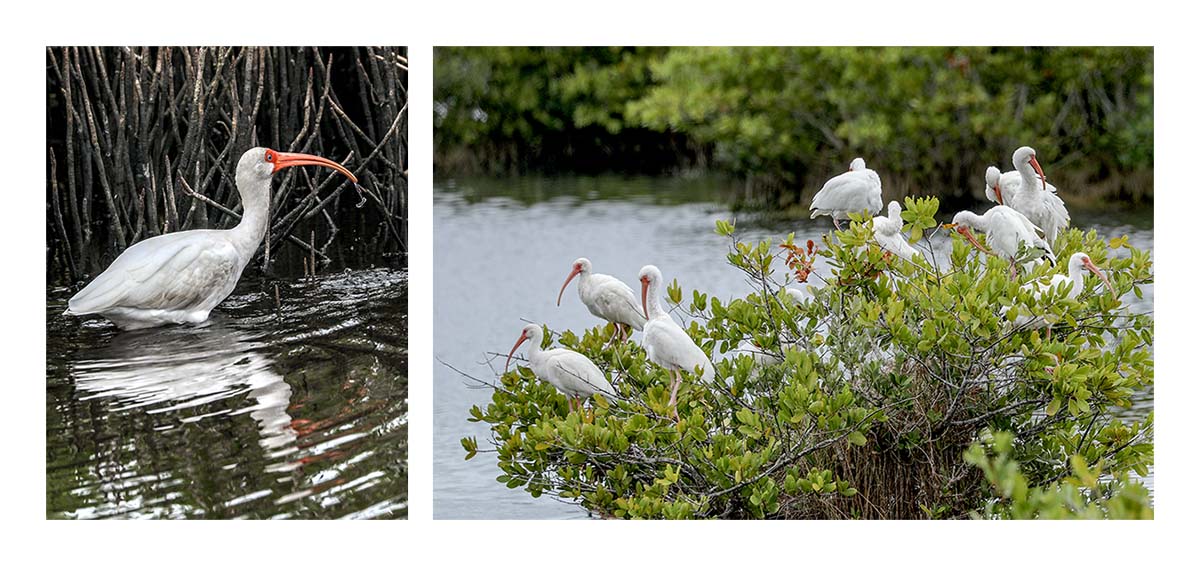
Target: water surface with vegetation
504, 247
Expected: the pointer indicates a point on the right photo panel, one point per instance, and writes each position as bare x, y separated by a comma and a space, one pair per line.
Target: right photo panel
793, 283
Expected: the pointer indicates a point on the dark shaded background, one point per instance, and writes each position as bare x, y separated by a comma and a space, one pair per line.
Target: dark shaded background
131, 129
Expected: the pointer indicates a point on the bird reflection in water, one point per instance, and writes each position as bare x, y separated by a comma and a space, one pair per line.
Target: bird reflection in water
171, 369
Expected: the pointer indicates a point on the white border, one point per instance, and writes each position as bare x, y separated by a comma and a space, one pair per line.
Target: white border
421, 25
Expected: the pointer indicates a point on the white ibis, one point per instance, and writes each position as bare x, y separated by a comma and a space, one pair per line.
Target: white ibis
887, 233
178, 278
856, 190
605, 296
1025, 190
1073, 279
1006, 229
666, 344
570, 372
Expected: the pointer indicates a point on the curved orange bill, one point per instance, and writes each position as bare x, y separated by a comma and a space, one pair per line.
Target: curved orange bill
966, 232
1038, 167
575, 271
286, 160
645, 286
999, 196
1092, 267
513, 351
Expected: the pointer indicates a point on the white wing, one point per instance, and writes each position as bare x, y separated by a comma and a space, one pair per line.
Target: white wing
852, 191
179, 271
577, 375
615, 302
669, 346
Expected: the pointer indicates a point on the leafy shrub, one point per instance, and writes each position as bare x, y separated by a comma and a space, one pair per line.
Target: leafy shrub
898, 391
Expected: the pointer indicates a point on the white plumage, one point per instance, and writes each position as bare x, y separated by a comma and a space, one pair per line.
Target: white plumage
606, 297
1073, 280
854, 191
887, 233
570, 372
666, 344
1025, 190
1006, 229
180, 277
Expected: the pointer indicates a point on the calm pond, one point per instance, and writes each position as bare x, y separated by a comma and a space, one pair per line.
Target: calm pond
502, 249
299, 411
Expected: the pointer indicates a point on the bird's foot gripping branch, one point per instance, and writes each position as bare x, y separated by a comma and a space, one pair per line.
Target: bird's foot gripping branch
890, 389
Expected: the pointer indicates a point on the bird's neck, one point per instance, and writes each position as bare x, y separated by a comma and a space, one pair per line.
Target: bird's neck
1029, 177
653, 306
256, 215
1075, 274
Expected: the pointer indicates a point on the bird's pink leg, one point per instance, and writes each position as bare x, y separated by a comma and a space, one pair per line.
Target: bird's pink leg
674, 391
836, 226
1012, 269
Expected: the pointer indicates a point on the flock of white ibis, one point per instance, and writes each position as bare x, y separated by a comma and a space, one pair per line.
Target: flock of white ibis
1028, 212
180, 277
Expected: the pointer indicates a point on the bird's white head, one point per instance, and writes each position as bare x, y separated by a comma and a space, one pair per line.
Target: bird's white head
963, 222
1025, 156
1080, 261
893, 209
257, 165
858, 164
650, 277
992, 178
580, 266
531, 332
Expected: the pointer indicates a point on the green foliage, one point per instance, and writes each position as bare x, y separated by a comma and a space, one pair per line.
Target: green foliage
784, 118
862, 401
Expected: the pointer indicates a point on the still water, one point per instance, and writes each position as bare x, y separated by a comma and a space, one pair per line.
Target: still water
502, 249
296, 409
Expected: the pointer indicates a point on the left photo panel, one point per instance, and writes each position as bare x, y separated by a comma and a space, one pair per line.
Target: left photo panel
226, 282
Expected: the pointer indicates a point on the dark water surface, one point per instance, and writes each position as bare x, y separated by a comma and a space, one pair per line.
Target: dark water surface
296, 411
502, 249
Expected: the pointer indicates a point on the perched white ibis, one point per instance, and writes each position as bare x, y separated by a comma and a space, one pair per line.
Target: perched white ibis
887, 233
605, 296
1073, 279
666, 344
856, 190
570, 372
1006, 229
1025, 190
178, 278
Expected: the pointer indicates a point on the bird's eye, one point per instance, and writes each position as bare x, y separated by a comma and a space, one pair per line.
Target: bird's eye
270, 156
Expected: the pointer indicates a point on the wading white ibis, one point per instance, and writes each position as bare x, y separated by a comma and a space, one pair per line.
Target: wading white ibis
570, 372
179, 277
1073, 280
666, 344
1025, 190
856, 190
606, 297
887, 233
1005, 229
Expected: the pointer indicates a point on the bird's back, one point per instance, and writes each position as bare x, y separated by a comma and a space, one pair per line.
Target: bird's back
611, 299
852, 191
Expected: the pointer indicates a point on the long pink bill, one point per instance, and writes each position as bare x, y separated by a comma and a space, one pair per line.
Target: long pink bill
1092, 267
1038, 167
574, 271
514, 350
645, 287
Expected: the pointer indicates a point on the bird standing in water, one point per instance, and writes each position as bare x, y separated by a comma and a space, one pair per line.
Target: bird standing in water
179, 278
